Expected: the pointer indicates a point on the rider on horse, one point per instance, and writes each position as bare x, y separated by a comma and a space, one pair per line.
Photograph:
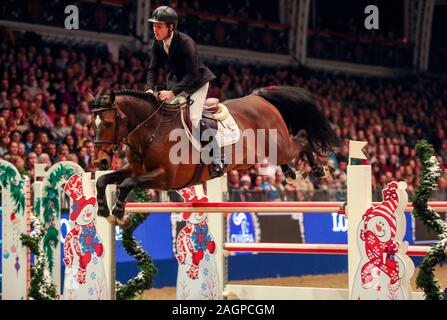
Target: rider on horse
186, 73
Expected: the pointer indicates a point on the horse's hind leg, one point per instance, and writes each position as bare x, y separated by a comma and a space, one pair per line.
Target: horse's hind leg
301, 143
318, 170
115, 177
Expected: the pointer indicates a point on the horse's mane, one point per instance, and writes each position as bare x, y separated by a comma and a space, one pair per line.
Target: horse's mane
101, 101
148, 97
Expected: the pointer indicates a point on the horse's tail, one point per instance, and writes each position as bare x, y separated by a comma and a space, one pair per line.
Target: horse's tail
299, 111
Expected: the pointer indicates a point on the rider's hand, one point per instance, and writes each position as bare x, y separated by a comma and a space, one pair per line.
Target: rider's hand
150, 91
166, 95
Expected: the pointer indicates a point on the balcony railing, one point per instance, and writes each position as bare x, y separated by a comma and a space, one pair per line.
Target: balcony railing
223, 31
359, 49
93, 16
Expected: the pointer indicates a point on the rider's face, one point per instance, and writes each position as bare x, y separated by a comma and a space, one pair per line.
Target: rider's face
161, 30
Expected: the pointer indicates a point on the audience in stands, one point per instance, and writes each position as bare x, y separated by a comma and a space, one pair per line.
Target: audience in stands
45, 115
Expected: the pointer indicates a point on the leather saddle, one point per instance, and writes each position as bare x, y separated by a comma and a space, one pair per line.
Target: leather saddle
213, 111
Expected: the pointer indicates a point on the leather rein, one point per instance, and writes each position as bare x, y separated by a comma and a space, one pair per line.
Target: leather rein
117, 142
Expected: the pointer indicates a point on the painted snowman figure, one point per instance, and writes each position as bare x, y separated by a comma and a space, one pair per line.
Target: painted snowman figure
197, 273
84, 273
384, 260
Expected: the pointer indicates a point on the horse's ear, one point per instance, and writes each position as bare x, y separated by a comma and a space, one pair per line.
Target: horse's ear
99, 91
90, 97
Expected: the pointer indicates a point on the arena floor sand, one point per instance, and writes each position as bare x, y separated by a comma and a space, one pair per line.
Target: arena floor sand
324, 281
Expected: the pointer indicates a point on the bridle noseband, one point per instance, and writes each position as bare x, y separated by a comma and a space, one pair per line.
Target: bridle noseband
116, 144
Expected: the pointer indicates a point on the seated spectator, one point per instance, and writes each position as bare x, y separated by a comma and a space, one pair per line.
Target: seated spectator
83, 157
280, 183
234, 185
270, 190
52, 114
73, 157
30, 161
83, 115
90, 146
38, 118
51, 150
70, 142
20, 118
4, 101
78, 135
60, 129
245, 194
42, 137
37, 148
258, 191
44, 159
266, 169
32, 87
63, 150
28, 140
19, 163
13, 150
22, 150
16, 136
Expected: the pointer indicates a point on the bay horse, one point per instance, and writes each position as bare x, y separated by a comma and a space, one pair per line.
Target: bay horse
143, 123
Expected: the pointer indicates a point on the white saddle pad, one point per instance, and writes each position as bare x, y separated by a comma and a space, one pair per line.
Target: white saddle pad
228, 131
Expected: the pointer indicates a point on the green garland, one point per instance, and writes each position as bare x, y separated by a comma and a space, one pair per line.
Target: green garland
51, 210
144, 279
42, 286
9, 180
430, 175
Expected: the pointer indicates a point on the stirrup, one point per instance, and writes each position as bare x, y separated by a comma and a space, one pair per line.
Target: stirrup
217, 169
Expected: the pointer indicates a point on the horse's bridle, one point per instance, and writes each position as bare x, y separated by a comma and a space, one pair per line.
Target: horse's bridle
116, 144
125, 140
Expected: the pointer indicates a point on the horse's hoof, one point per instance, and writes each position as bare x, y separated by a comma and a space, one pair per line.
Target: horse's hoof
124, 222
111, 219
118, 210
103, 212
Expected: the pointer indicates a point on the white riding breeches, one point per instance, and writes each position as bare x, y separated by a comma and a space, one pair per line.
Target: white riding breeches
196, 108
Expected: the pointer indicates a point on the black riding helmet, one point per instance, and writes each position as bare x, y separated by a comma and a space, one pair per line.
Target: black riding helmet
164, 14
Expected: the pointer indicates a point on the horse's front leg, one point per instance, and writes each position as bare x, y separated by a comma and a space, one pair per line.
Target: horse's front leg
152, 179
115, 177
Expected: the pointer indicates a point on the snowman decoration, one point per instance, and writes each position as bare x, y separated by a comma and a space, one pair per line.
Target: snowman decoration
384, 270
84, 273
197, 273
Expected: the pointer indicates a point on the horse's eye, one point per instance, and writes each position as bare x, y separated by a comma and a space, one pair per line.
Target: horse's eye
108, 124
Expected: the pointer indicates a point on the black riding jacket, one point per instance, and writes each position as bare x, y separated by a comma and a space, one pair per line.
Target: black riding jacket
186, 71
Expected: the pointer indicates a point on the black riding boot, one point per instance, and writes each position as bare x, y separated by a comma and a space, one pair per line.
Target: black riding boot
218, 161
